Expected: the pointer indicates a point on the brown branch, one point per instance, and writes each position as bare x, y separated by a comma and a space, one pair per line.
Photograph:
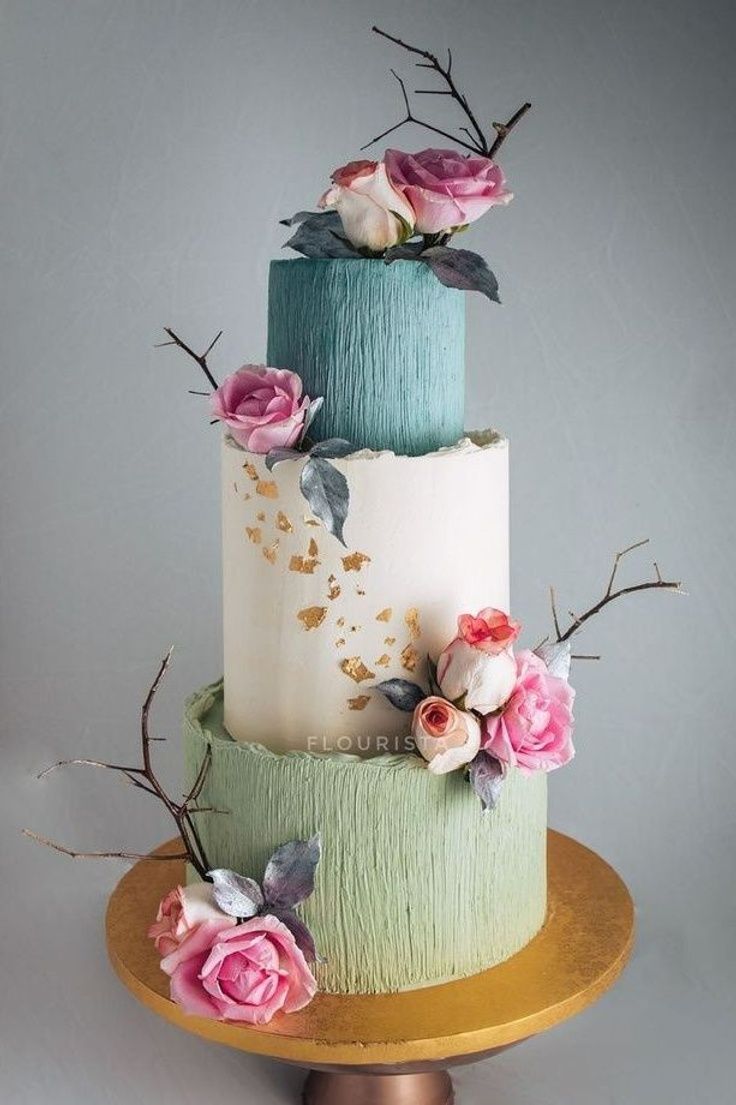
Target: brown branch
503, 130
477, 141
200, 358
101, 855
145, 778
610, 595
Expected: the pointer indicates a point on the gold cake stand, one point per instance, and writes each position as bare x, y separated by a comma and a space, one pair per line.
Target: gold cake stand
395, 1049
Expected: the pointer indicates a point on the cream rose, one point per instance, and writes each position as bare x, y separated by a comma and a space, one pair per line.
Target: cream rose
447, 738
374, 214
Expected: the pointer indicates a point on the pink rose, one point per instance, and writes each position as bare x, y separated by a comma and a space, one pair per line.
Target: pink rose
182, 910
478, 663
445, 188
446, 737
374, 214
263, 407
247, 972
534, 730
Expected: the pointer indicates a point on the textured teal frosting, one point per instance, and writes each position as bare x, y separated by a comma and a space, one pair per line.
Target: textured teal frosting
415, 886
383, 344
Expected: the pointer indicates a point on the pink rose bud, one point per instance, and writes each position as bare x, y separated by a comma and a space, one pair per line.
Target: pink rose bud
263, 407
478, 663
534, 730
181, 911
247, 973
369, 206
445, 188
447, 738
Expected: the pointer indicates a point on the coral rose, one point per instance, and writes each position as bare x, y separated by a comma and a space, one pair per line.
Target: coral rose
245, 973
446, 737
446, 189
263, 407
180, 911
534, 730
478, 663
374, 214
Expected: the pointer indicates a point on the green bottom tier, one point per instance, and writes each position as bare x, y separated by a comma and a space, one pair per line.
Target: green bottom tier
416, 885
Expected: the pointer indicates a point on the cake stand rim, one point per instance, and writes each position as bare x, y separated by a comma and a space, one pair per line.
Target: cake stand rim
561, 953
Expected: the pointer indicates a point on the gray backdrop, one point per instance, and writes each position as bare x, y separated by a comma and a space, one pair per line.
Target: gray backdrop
149, 149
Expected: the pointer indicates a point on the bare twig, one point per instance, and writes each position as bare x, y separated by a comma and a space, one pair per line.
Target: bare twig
200, 358
578, 620
555, 618
145, 778
102, 855
475, 140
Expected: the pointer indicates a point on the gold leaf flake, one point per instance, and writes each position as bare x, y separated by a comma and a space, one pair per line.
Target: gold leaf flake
409, 658
246, 496
385, 615
359, 591
310, 521
359, 703
412, 620
356, 669
389, 641
254, 534
268, 489
354, 562
271, 551
340, 623
355, 628
312, 616
383, 661
339, 642
333, 588
283, 523
313, 549
261, 516
303, 564
251, 470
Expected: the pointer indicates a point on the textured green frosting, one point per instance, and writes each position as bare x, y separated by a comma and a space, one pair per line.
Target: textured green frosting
383, 344
415, 886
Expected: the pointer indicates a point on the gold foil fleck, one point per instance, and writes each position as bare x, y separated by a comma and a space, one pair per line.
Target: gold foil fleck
412, 620
283, 523
254, 534
310, 521
354, 562
383, 661
355, 628
312, 616
271, 552
333, 588
385, 615
359, 702
356, 669
340, 623
313, 548
268, 489
246, 496
409, 658
339, 642
303, 564
251, 471
389, 641
359, 591
261, 516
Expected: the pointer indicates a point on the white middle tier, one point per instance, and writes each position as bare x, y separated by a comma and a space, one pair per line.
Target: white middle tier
311, 626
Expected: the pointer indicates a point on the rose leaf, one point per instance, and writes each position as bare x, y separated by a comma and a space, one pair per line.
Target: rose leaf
235, 894
486, 779
289, 876
402, 693
459, 268
326, 490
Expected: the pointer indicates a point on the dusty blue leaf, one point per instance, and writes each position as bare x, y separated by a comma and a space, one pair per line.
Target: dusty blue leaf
326, 490
313, 410
302, 936
408, 252
486, 779
332, 447
277, 455
299, 217
557, 658
459, 268
322, 235
235, 894
402, 693
289, 877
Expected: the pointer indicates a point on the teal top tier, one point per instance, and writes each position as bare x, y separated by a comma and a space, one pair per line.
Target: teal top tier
383, 344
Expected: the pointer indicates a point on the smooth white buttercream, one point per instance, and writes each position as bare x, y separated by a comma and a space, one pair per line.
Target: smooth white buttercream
436, 530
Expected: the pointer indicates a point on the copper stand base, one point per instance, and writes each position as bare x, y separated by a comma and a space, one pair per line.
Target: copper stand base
425, 1088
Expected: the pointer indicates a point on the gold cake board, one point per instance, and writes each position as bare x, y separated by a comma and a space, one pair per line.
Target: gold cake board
394, 1048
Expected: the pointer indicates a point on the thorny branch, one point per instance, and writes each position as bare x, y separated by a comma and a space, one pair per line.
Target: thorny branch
578, 620
200, 358
145, 778
475, 139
